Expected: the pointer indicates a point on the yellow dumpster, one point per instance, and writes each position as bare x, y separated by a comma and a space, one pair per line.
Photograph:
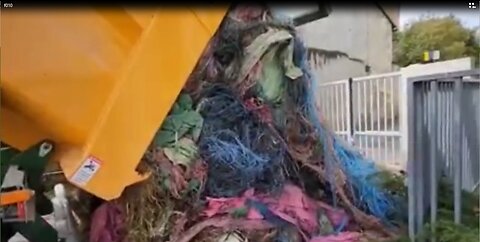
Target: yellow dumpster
97, 82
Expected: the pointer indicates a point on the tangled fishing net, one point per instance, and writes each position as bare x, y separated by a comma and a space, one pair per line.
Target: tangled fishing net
244, 154
240, 151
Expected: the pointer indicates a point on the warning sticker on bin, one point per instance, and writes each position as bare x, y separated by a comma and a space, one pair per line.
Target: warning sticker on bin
85, 173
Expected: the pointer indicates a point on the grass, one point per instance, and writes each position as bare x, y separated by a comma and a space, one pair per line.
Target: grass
445, 229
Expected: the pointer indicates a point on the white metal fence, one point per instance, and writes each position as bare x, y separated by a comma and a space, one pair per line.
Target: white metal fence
365, 112
371, 112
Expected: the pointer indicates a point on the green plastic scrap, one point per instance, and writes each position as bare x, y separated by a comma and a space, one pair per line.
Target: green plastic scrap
182, 121
240, 212
194, 186
275, 50
179, 132
271, 87
182, 152
184, 103
324, 223
291, 71
259, 46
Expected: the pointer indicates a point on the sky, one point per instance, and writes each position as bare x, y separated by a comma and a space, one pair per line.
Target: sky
469, 17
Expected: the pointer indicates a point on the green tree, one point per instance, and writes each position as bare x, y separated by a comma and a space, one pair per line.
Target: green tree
445, 34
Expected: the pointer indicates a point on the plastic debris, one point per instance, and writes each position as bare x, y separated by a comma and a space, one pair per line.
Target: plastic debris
244, 150
292, 206
182, 152
182, 120
108, 223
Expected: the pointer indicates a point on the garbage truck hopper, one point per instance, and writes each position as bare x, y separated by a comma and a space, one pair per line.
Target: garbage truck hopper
96, 82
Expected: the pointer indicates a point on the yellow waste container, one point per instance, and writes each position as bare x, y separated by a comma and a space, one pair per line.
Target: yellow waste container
98, 82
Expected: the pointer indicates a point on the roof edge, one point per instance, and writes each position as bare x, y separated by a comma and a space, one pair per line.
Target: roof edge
389, 18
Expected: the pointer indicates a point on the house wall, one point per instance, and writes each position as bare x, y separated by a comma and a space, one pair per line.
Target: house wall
347, 41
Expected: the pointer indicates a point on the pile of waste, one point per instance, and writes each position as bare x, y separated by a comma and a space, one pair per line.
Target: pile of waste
245, 156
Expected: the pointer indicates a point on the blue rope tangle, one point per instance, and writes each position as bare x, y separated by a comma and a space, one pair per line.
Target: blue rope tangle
368, 195
307, 105
240, 152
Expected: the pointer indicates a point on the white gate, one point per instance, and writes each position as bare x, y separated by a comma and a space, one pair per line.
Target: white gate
365, 112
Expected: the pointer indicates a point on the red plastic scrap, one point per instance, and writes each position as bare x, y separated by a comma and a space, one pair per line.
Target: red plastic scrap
296, 204
108, 223
258, 108
292, 205
218, 206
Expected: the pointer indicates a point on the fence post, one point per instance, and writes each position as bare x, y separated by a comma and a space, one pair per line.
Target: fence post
350, 123
458, 159
411, 176
433, 120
